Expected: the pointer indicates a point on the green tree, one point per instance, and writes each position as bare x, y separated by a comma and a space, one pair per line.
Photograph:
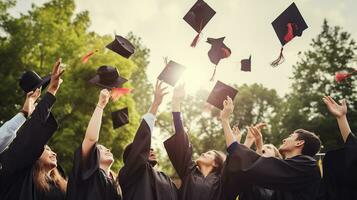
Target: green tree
331, 51
34, 41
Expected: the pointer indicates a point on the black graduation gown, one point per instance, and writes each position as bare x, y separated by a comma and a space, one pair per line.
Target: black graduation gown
340, 172
194, 185
16, 163
89, 182
296, 178
138, 179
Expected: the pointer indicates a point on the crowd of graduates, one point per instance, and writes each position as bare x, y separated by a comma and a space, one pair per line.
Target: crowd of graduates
29, 170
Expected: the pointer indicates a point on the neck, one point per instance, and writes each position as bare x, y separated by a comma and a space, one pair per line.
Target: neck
293, 153
205, 170
106, 169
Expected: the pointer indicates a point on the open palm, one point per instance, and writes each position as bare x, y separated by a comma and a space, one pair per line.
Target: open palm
335, 109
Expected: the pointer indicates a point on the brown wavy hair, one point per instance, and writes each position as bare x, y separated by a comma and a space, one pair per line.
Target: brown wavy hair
42, 180
219, 159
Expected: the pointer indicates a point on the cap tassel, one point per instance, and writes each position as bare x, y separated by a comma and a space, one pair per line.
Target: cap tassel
290, 33
195, 40
341, 76
86, 57
214, 73
279, 60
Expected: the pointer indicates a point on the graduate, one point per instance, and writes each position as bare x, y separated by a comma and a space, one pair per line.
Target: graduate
252, 192
28, 167
297, 176
201, 179
91, 177
138, 178
8, 129
339, 166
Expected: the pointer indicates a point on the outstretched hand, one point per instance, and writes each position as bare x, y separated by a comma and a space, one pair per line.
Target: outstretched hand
177, 97
55, 78
159, 94
228, 108
103, 98
335, 109
31, 98
236, 132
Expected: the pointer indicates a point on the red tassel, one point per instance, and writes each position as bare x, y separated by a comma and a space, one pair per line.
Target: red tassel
341, 76
195, 40
290, 34
226, 52
86, 57
118, 92
214, 73
279, 60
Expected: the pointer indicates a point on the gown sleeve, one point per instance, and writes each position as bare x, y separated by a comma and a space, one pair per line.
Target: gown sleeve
29, 143
179, 149
137, 158
272, 173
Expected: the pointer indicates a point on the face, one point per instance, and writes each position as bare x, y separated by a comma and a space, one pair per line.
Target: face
207, 159
48, 158
268, 151
106, 157
152, 156
290, 143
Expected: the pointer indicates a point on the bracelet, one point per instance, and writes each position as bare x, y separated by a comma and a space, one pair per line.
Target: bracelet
25, 113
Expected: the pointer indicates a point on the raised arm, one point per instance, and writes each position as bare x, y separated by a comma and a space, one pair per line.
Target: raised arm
178, 146
9, 129
35, 133
339, 111
225, 114
138, 151
92, 133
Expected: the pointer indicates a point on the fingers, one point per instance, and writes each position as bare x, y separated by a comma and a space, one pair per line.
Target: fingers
29, 93
56, 67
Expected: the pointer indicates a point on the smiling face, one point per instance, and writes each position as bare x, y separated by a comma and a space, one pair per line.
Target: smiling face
48, 158
291, 143
106, 157
152, 156
207, 158
270, 150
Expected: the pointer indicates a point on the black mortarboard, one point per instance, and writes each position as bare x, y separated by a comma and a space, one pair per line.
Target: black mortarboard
120, 117
246, 64
121, 46
217, 52
30, 81
198, 17
171, 73
287, 25
220, 93
107, 77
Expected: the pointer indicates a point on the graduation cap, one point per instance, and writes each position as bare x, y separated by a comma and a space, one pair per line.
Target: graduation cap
217, 52
120, 117
198, 17
246, 64
30, 81
107, 77
220, 93
171, 73
287, 25
121, 46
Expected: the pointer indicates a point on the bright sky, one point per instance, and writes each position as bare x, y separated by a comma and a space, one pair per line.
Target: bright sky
246, 24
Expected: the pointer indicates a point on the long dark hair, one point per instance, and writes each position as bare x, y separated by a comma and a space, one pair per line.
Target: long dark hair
219, 159
42, 180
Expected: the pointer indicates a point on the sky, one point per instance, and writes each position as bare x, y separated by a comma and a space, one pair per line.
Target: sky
246, 24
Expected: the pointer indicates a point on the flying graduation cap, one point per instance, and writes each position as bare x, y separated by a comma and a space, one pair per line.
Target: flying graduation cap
171, 73
220, 93
246, 64
288, 25
120, 117
120, 45
217, 52
198, 17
